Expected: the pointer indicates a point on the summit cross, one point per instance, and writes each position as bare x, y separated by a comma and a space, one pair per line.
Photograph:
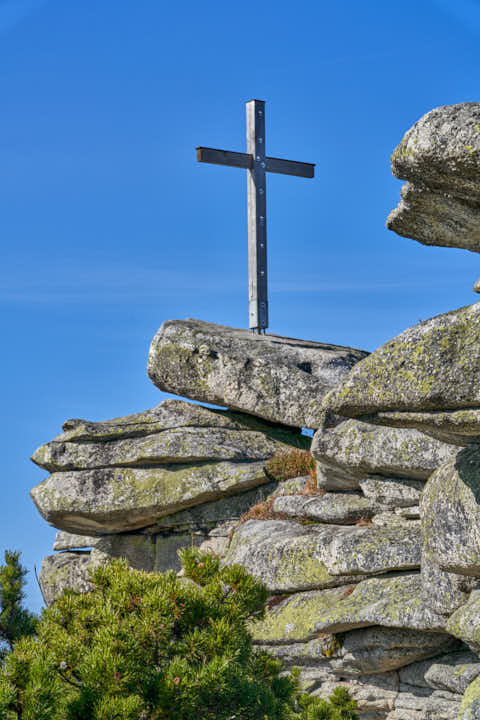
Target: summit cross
256, 162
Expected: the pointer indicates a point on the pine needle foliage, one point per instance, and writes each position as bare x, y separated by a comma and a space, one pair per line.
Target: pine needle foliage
145, 646
15, 620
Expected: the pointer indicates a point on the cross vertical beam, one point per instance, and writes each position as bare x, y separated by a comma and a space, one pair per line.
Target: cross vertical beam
257, 164
257, 217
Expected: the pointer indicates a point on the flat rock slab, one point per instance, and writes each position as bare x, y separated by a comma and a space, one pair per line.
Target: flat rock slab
465, 622
452, 672
432, 366
70, 541
451, 513
173, 432
289, 556
372, 550
392, 492
252, 373
111, 500
354, 449
209, 515
367, 651
390, 602
334, 508
285, 556
439, 157
64, 571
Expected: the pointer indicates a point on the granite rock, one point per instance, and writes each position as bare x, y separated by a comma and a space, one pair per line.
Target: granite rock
336, 508
243, 371
439, 157
388, 601
464, 624
173, 432
451, 513
470, 707
353, 450
284, 555
432, 366
64, 571
111, 500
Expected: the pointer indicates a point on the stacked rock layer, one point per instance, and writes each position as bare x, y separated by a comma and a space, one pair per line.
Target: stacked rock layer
373, 570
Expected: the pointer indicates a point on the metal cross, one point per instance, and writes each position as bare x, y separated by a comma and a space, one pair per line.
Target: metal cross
257, 164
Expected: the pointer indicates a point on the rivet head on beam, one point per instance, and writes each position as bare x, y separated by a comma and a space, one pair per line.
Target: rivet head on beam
261, 191
260, 140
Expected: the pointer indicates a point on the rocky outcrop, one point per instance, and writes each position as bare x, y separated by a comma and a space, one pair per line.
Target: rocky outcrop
431, 368
352, 450
248, 372
439, 157
128, 473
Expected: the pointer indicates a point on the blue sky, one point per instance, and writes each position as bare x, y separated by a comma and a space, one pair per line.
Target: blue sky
108, 226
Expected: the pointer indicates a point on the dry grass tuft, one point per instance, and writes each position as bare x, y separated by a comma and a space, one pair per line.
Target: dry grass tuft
287, 465
311, 485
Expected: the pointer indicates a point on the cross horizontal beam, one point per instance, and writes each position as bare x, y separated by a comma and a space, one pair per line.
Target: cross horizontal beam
245, 160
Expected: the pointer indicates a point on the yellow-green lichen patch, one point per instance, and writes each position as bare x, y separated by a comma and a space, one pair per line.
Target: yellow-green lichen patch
294, 620
470, 707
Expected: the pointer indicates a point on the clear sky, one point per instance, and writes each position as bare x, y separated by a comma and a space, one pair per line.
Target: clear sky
108, 225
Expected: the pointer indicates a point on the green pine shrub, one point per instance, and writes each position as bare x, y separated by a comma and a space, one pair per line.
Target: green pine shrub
15, 620
145, 646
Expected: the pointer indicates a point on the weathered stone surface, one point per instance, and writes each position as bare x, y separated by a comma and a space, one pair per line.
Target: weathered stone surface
64, 571
289, 556
336, 508
372, 650
439, 156
451, 513
442, 591
114, 500
452, 672
392, 602
392, 492
371, 550
465, 622
215, 545
219, 435
284, 555
251, 373
454, 427
137, 550
432, 366
393, 518
350, 451
470, 707
209, 515
414, 703
70, 541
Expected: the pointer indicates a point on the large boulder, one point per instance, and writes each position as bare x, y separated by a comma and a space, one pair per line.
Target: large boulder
172, 432
451, 513
465, 622
289, 556
277, 378
373, 650
470, 707
353, 449
125, 474
285, 556
111, 500
433, 366
64, 571
388, 601
440, 158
